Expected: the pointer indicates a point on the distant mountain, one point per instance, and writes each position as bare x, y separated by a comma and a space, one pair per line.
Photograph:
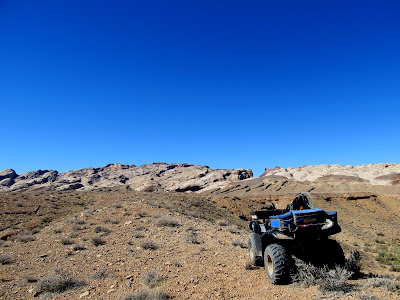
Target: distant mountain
150, 177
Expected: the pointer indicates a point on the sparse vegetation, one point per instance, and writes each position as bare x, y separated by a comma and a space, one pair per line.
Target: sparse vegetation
99, 275
151, 278
67, 241
353, 263
149, 246
5, 259
192, 238
389, 255
24, 237
386, 283
328, 280
148, 295
168, 222
102, 229
57, 282
232, 229
78, 247
98, 241
249, 265
141, 213
239, 242
336, 280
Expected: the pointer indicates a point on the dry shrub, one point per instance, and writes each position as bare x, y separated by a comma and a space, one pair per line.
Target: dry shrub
141, 213
328, 280
78, 247
24, 237
5, 259
353, 263
168, 222
148, 295
240, 243
151, 278
30, 278
77, 227
249, 265
67, 241
57, 282
102, 229
386, 283
99, 275
149, 246
232, 229
336, 280
98, 241
222, 223
193, 238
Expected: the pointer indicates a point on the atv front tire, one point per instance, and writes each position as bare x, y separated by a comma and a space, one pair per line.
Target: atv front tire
255, 260
277, 264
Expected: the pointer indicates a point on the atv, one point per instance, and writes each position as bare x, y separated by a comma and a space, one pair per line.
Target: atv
299, 230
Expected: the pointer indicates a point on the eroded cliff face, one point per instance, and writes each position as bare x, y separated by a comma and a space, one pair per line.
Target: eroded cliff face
375, 174
150, 177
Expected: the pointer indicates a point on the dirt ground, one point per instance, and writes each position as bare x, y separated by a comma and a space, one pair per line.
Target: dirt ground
196, 248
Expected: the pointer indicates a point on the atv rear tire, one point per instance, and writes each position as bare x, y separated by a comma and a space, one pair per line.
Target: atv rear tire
277, 264
255, 260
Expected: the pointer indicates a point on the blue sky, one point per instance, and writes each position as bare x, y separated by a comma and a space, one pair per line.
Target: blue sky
229, 84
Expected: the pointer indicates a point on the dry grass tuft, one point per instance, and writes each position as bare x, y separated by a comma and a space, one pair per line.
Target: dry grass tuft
98, 241
328, 280
353, 263
151, 278
102, 229
148, 295
168, 222
24, 237
78, 247
67, 241
193, 238
240, 243
57, 282
102, 274
149, 245
386, 283
5, 259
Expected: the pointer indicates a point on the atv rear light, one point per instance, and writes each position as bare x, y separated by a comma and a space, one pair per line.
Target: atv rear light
328, 224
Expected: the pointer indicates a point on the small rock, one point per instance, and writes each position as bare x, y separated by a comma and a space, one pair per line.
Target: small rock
84, 294
110, 291
127, 223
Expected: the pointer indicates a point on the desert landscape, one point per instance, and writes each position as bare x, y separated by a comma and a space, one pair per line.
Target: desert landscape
180, 231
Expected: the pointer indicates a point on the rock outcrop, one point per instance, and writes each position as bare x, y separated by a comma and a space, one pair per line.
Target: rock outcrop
375, 174
150, 177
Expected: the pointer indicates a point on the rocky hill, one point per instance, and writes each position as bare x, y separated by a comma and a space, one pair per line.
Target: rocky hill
375, 174
150, 177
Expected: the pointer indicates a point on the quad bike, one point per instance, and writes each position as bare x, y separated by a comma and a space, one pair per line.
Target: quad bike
299, 230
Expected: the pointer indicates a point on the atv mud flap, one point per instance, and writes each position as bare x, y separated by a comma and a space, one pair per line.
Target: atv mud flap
258, 244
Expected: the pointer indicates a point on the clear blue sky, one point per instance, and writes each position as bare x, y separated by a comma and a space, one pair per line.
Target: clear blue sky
229, 84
